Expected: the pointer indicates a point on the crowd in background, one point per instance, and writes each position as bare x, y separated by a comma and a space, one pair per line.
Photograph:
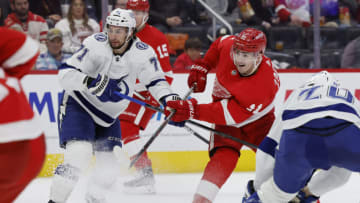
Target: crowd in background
61, 25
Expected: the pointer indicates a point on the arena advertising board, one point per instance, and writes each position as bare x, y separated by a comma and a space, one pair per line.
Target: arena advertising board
44, 93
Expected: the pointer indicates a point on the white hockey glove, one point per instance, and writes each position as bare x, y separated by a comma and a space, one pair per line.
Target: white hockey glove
96, 85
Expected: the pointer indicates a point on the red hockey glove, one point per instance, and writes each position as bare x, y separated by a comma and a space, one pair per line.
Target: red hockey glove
185, 109
198, 75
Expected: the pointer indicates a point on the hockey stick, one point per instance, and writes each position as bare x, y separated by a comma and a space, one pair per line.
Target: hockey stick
196, 134
222, 134
157, 132
141, 103
190, 130
188, 121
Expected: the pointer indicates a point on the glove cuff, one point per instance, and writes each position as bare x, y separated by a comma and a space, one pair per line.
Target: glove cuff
169, 97
199, 68
193, 108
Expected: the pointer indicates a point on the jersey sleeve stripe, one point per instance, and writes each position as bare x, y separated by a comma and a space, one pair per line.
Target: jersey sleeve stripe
228, 118
292, 114
154, 82
27, 51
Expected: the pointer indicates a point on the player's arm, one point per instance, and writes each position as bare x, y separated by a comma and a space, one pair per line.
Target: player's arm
79, 68
226, 111
201, 68
19, 53
152, 76
162, 52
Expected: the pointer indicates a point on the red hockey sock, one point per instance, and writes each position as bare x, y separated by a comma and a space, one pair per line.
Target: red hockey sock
130, 136
143, 161
217, 171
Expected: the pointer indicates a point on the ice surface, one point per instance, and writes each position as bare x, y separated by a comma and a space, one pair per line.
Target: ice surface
176, 188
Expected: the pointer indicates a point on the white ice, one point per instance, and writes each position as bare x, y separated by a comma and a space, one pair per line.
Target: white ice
176, 188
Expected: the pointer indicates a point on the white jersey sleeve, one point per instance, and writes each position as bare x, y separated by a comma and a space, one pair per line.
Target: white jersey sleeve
87, 61
151, 74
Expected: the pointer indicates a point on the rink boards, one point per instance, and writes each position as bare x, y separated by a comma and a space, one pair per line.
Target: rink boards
175, 150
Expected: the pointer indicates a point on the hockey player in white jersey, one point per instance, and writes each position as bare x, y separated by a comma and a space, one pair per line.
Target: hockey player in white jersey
317, 128
106, 62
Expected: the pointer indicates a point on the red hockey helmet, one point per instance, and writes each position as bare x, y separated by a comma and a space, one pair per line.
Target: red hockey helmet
138, 5
250, 40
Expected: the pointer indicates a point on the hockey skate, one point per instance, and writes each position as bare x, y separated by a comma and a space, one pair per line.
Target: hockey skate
143, 183
249, 190
301, 198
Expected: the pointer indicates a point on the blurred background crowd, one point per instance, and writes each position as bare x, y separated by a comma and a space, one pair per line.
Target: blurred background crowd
190, 27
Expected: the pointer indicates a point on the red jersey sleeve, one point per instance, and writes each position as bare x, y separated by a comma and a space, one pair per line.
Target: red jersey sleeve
211, 57
251, 98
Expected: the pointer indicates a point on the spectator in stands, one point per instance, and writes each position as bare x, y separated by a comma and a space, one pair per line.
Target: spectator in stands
119, 4
50, 10
250, 12
191, 53
351, 55
23, 20
4, 11
165, 14
294, 12
76, 26
54, 57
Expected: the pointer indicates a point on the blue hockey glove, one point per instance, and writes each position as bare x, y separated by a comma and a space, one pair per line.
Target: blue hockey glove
113, 86
301, 198
96, 85
254, 198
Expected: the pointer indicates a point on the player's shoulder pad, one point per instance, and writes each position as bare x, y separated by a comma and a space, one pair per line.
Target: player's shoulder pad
225, 37
95, 41
141, 45
101, 37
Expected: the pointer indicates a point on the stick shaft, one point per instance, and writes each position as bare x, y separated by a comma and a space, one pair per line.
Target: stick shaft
196, 134
157, 132
188, 121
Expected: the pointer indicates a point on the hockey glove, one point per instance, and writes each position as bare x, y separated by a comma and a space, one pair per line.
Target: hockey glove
184, 109
96, 85
198, 75
169, 97
172, 97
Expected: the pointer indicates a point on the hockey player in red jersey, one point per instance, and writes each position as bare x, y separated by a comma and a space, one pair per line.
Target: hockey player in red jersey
243, 102
136, 117
22, 144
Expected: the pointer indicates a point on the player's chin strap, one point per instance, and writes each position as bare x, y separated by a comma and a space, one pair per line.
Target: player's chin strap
204, 127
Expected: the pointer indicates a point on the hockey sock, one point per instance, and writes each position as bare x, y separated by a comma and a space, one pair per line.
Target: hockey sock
133, 143
217, 171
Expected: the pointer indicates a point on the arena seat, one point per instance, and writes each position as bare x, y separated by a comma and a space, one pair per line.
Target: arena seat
330, 38
286, 37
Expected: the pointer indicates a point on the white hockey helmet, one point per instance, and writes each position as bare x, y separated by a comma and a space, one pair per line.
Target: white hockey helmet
122, 18
321, 78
